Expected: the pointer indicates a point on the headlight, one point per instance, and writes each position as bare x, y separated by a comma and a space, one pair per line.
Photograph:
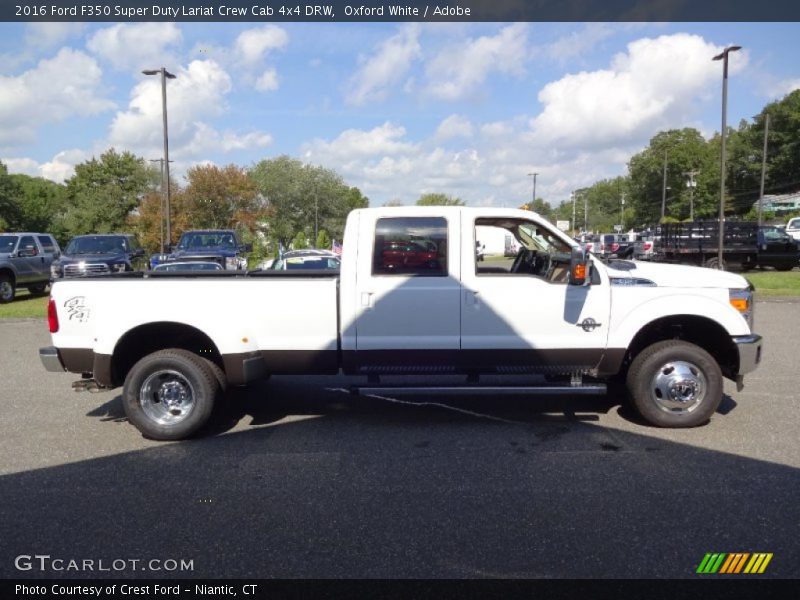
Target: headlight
743, 301
231, 262
118, 268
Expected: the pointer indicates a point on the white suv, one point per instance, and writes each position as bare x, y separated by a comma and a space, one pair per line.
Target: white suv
793, 228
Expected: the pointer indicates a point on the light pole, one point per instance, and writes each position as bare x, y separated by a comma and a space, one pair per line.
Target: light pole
533, 196
664, 190
165, 172
763, 168
622, 213
691, 184
161, 208
574, 228
724, 58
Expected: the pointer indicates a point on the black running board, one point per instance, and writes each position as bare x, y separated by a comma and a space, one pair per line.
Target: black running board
595, 389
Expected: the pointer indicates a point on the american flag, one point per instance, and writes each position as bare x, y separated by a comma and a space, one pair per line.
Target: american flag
336, 247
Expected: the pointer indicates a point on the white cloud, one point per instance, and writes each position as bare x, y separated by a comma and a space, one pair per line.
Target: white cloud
784, 87
49, 35
355, 143
197, 94
454, 126
252, 45
578, 43
460, 69
268, 81
387, 67
138, 46
67, 85
656, 83
58, 169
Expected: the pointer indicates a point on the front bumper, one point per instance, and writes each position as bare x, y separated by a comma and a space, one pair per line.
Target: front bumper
51, 359
749, 347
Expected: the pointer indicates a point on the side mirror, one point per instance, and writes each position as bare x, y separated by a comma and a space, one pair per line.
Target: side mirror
169, 248
578, 267
138, 252
246, 247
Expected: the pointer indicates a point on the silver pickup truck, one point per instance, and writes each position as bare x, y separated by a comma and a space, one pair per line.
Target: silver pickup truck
25, 260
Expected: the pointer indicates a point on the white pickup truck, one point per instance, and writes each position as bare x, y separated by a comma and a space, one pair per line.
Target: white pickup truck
412, 299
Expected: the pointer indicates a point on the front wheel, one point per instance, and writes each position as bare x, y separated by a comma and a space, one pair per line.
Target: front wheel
714, 263
784, 267
675, 384
169, 395
37, 289
7, 290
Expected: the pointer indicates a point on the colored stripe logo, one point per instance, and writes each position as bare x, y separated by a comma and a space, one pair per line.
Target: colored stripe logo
734, 563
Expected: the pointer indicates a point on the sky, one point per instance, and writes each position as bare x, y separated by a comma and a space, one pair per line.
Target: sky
397, 109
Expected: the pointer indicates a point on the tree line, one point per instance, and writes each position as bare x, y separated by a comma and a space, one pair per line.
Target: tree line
689, 156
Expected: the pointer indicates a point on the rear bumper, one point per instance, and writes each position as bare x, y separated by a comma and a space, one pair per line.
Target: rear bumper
51, 359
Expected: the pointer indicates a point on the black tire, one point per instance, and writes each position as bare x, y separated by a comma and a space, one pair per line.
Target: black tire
173, 372
675, 384
713, 263
37, 289
788, 267
7, 289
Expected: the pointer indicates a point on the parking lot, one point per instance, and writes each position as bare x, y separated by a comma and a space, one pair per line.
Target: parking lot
296, 478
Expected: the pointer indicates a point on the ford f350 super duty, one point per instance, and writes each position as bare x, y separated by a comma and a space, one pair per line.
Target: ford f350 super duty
175, 341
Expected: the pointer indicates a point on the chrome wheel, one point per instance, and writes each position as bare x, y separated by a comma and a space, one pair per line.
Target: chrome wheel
167, 397
678, 387
6, 291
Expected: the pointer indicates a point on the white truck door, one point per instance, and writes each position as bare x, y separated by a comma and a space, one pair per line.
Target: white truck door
520, 312
407, 288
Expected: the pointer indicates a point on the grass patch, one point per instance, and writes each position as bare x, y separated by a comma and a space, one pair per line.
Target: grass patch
25, 306
775, 283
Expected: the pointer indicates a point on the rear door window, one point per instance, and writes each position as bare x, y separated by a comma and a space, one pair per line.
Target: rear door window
410, 246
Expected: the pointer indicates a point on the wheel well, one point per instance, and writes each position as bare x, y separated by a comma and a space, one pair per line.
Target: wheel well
146, 339
10, 273
701, 331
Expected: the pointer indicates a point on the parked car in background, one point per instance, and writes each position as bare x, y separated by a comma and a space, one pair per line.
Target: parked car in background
793, 228
644, 247
208, 245
183, 267
311, 259
398, 255
614, 245
25, 260
99, 254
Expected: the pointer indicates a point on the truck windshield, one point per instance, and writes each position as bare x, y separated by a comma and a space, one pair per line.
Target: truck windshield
7, 243
206, 240
97, 245
537, 238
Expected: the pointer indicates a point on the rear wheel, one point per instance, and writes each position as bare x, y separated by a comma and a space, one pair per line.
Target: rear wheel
788, 267
37, 289
169, 395
714, 263
675, 384
7, 291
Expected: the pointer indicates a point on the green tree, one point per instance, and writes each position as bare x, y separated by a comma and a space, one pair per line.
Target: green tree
685, 150
40, 204
9, 210
103, 192
439, 200
300, 241
541, 207
323, 240
302, 197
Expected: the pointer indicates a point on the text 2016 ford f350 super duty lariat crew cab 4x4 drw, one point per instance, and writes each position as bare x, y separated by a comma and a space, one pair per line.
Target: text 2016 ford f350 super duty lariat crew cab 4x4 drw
175, 341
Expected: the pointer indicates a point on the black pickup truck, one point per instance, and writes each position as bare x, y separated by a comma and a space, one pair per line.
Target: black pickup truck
745, 245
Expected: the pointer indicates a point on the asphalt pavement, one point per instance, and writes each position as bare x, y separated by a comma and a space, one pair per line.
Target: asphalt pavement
296, 478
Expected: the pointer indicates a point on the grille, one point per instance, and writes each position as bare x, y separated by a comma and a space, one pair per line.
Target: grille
85, 269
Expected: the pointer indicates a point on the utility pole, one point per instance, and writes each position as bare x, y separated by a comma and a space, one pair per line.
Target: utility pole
533, 196
574, 228
664, 189
691, 184
622, 212
585, 212
763, 168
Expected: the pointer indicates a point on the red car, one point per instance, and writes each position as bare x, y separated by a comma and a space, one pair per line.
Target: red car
407, 255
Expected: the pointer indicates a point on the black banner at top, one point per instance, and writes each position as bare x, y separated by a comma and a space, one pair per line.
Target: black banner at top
399, 10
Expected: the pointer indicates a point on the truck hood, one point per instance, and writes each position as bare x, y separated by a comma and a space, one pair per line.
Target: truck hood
68, 259
208, 251
679, 276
